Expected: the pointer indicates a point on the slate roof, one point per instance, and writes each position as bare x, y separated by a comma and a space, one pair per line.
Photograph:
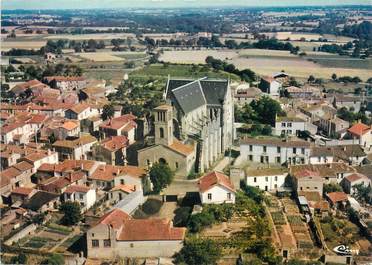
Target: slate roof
39, 199
192, 94
189, 96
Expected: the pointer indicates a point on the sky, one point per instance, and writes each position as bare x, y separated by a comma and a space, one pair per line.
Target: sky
83, 4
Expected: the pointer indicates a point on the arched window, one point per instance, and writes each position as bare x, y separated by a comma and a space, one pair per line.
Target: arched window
161, 130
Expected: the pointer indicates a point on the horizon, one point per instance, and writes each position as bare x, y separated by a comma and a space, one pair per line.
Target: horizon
169, 4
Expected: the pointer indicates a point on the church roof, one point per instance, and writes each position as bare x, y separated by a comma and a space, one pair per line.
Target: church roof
192, 94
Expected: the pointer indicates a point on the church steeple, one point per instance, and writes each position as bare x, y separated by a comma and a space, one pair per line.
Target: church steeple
163, 125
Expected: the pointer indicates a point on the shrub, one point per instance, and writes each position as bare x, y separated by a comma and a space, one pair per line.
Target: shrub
182, 216
151, 206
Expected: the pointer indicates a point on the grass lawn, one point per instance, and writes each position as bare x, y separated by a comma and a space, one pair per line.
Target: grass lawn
180, 70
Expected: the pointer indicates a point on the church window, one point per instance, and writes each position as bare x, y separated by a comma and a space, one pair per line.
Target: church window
161, 130
176, 164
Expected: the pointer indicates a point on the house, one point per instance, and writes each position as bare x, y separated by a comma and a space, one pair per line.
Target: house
275, 151
79, 148
33, 87
306, 180
316, 203
81, 111
246, 96
289, 126
330, 172
60, 128
118, 235
363, 133
352, 103
109, 176
84, 195
66, 83
55, 185
120, 191
75, 170
216, 188
270, 86
355, 179
267, 179
21, 194
123, 125
41, 202
130, 203
352, 154
40, 157
112, 150
337, 199
307, 92
167, 149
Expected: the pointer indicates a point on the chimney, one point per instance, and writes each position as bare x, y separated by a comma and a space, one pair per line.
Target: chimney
135, 188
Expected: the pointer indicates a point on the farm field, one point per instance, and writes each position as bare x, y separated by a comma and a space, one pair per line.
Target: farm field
97, 36
100, 56
267, 62
8, 45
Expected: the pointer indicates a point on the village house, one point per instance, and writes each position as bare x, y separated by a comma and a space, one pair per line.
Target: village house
81, 111
216, 188
330, 172
289, 126
351, 154
84, 195
338, 199
275, 151
66, 83
308, 181
361, 132
61, 128
332, 126
36, 159
350, 181
270, 86
167, 149
120, 191
112, 150
21, 194
72, 169
306, 92
123, 125
42, 202
352, 103
18, 132
109, 176
118, 235
80, 148
267, 179
246, 95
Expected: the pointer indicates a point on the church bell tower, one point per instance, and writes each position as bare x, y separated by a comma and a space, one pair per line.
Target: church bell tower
163, 125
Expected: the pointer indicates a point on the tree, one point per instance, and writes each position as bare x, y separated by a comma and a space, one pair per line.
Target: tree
38, 218
20, 259
334, 77
331, 187
54, 259
71, 211
161, 176
311, 79
108, 111
266, 110
199, 252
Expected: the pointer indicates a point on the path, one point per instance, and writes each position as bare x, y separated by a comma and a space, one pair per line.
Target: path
224, 162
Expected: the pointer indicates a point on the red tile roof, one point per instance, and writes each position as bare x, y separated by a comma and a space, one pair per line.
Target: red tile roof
77, 188
115, 143
22, 191
215, 178
355, 177
359, 129
124, 187
179, 147
109, 172
120, 122
79, 108
150, 229
337, 196
115, 218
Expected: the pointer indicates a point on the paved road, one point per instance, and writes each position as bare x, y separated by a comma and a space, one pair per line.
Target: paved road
179, 186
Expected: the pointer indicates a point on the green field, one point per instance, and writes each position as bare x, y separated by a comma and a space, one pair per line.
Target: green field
180, 70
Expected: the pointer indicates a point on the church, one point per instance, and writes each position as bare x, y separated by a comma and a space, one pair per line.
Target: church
194, 128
